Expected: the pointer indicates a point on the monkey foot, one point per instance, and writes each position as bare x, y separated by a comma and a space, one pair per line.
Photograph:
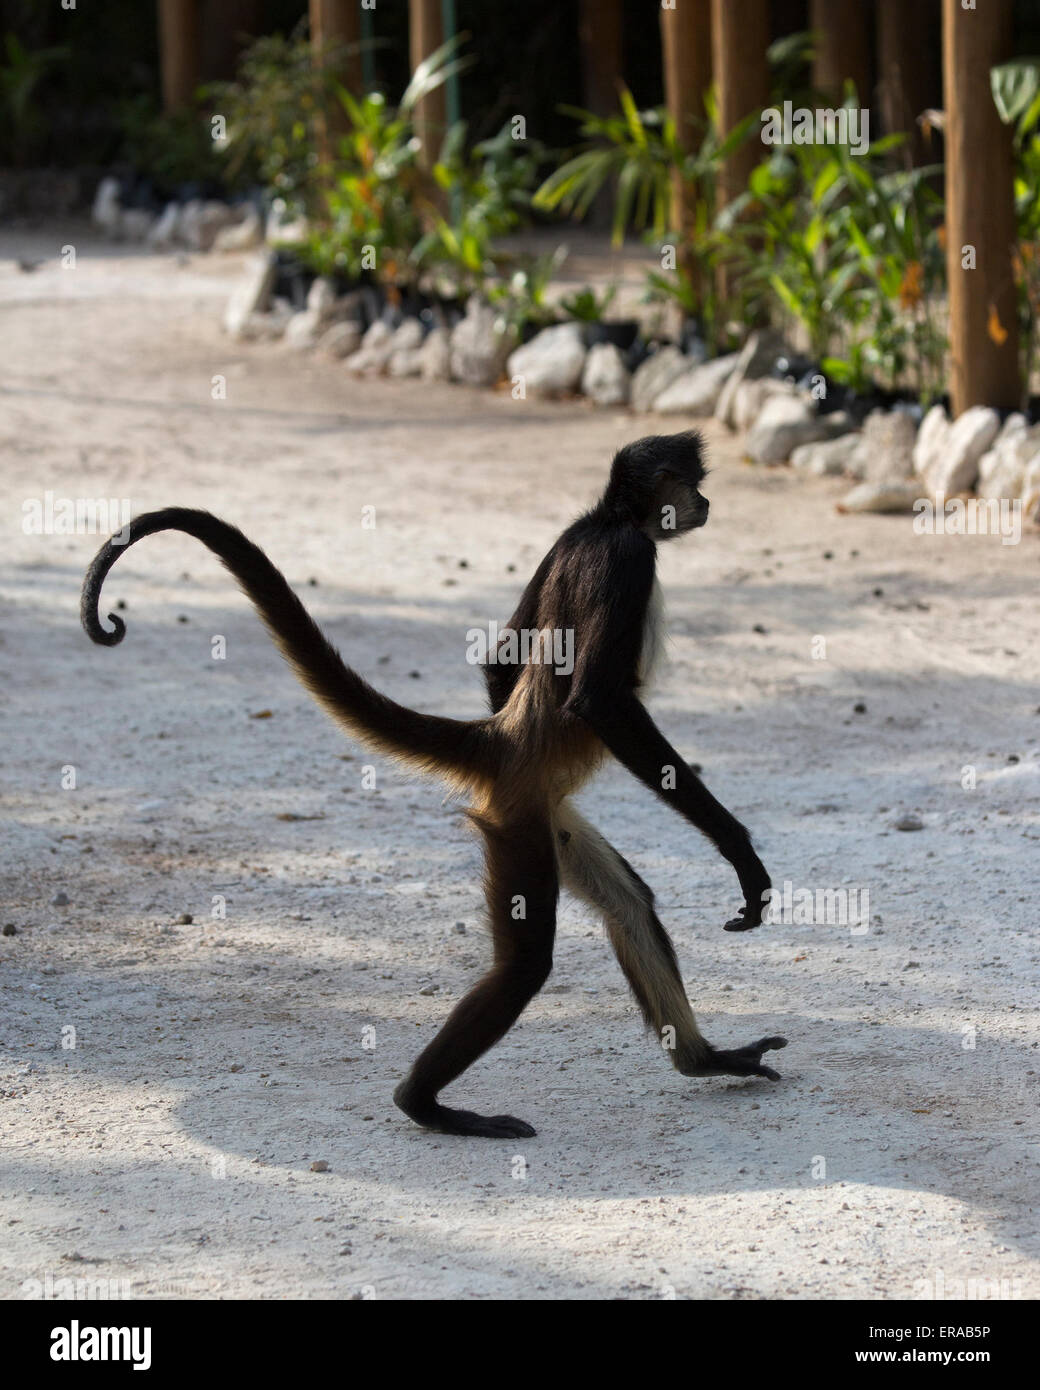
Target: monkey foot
742, 1061
746, 919
446, 1121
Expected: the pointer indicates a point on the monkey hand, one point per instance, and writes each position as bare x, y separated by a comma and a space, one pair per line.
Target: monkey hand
742, 1061
757, 889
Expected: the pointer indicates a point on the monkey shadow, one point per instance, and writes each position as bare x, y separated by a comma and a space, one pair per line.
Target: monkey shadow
860, 1106
271, 1079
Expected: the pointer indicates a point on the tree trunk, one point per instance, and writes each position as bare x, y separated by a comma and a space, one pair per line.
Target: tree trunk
739, 39
980, 216
599, 38
426, 33
842, 47
686, 55
225, 24
335, 24
180, 52
908, 73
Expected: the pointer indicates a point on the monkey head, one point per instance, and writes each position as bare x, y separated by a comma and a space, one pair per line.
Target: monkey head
655, 484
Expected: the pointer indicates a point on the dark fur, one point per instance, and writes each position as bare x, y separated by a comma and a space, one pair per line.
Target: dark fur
547, 733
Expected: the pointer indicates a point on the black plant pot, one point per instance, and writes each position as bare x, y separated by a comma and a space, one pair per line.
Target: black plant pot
530, 328
373, 302
859, 404
794, 367
292, 279
622, 333
691, 340
638, 353
448, 310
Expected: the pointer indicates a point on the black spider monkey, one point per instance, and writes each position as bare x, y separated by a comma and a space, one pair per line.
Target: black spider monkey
547, 733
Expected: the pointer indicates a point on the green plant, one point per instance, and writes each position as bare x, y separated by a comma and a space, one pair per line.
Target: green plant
848, 250
636, 149
374, 204
21, 71
894, 224
522, 299
271, 110
172, 149
586, 306
783, 237
1016, 92
487, 191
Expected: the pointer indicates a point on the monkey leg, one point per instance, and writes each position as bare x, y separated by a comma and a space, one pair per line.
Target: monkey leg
522, 889
594, 871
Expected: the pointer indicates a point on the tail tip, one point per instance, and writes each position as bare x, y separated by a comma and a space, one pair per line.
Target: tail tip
101, 635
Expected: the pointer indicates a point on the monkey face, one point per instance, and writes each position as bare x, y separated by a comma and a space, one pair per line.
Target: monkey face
655, 482
678, 507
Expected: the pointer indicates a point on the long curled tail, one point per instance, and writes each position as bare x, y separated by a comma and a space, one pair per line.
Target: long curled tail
463, 750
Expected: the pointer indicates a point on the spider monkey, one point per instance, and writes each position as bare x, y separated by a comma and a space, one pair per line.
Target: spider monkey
547, 733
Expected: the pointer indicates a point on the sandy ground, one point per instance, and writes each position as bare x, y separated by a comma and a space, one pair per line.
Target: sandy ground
168, 1153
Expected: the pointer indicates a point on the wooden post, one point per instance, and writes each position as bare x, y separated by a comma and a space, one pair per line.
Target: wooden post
686, 60
335, 22
842, 47
739, 39
180, 52
599, 38
426, 34
225, 24
339, 22
980, 217
908, 75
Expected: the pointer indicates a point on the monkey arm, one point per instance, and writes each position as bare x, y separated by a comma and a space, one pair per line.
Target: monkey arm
628, 731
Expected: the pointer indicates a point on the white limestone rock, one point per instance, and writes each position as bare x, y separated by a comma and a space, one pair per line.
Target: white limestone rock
242, 235
340, 339
105, 212
163, 233
785, 422
303, 330
827, 458
892, 496
551, 363
435, 356
480, 344
696, 391
946, 456
1002, 469
750, 396
755, 360
201, 219
605, 378
886, 449
253, 294
374, 353
655, 375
